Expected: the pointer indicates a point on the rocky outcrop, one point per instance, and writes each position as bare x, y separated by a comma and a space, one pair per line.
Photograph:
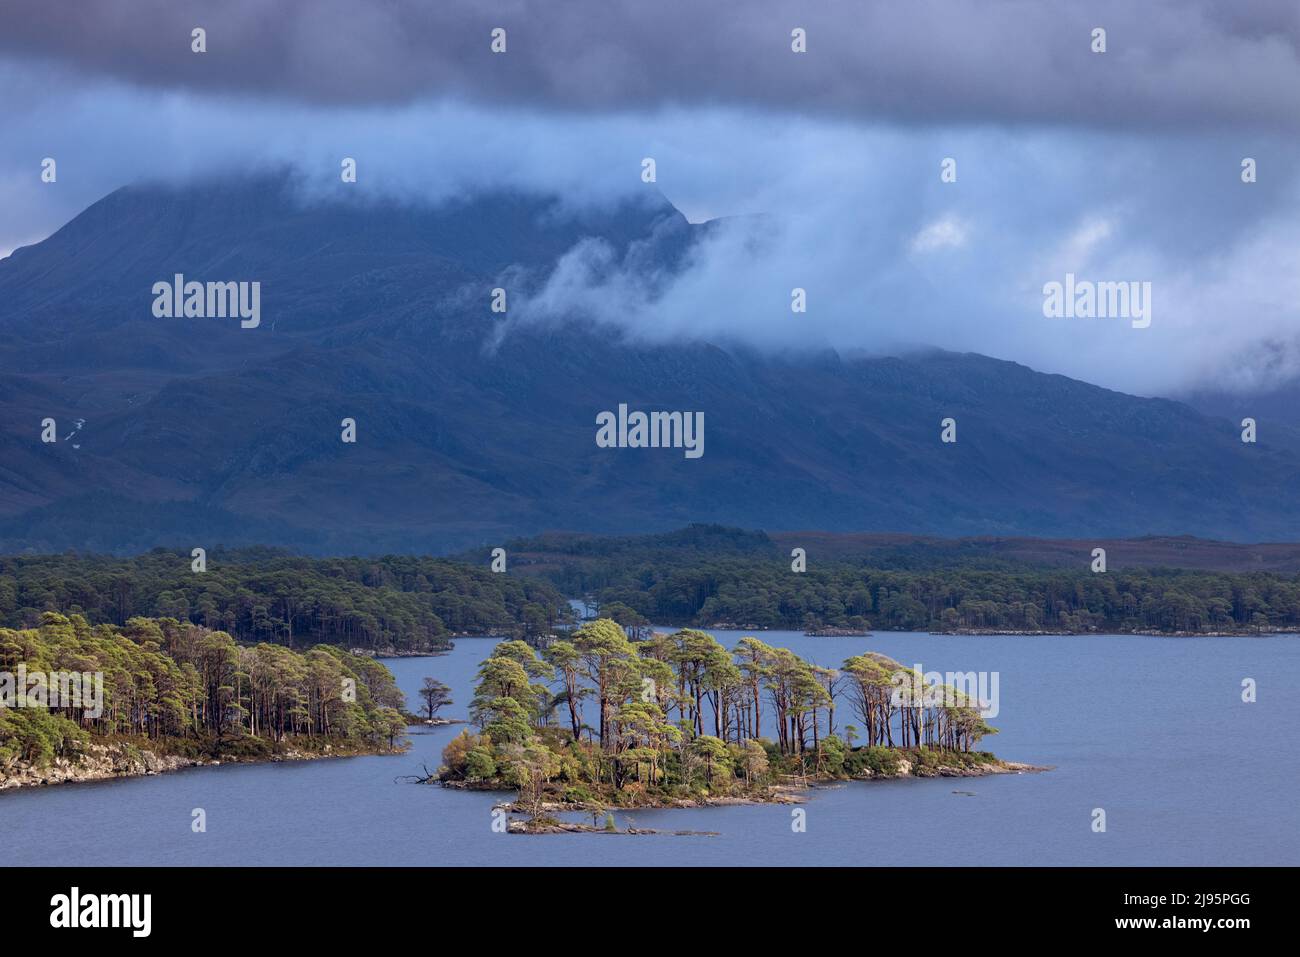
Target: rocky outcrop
906, 769
98, 763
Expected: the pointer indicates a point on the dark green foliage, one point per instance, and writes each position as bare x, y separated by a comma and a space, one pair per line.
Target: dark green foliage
258, 594
876, 759
736, 584
37, 736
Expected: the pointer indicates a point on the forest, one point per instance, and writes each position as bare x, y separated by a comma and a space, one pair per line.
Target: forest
709, 576
757, 594
395, 603
596, 719
180, 688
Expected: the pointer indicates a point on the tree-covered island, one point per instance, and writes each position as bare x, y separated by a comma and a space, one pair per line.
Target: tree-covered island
597, 721
175, 694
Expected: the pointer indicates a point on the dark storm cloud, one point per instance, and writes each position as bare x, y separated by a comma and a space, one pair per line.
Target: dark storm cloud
1124, 165
1188, 64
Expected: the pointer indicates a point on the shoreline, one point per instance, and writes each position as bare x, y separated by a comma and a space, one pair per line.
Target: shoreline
785, 793
120, 761
1013, 633
779, 794
834, 632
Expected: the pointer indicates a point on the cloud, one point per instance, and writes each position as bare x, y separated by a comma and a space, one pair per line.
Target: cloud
849, 207
1169, 63
890, 260
946, 233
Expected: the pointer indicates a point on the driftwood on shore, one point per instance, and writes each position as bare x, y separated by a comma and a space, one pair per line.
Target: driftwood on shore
428, 777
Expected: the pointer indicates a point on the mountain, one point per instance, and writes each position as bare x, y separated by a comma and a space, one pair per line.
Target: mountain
472, 428
1277, 406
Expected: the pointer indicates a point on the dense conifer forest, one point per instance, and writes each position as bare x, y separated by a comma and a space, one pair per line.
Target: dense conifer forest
709, 576
703, 576
753, 594
396, 603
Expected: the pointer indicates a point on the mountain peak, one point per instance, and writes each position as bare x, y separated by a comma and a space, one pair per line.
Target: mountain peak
470, 428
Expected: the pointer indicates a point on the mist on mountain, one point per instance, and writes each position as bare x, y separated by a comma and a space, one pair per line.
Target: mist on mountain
473, 426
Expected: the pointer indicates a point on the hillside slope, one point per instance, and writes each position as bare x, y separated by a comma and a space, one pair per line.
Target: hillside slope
472, 428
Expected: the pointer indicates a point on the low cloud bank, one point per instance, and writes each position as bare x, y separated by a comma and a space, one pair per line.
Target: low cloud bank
888, 254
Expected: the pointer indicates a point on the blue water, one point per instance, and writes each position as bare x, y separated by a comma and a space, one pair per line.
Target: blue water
1152, 730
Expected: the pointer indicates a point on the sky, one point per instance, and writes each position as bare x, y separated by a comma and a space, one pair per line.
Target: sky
824, 165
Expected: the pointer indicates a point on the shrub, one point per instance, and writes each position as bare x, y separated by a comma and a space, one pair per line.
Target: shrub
479, 764
877, 759
455, 756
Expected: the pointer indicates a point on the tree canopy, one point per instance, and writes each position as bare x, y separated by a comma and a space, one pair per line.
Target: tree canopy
183, 687
599, 718
394, 602
685, 588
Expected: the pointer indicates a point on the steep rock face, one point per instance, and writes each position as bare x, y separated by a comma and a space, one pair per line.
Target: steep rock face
471, 428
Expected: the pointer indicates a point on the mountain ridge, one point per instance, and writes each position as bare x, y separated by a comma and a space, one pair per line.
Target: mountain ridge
472, 429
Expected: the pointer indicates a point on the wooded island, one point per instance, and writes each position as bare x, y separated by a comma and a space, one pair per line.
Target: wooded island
596, 720
175, 689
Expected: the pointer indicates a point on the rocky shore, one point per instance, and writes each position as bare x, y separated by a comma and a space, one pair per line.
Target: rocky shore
98, 763
102, 762
567, 827
794, 792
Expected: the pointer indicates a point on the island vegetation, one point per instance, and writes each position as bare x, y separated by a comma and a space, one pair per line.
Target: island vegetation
434, 696
181, 690
596, 720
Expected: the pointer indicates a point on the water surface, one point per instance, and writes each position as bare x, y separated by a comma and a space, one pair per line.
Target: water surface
1153, 730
